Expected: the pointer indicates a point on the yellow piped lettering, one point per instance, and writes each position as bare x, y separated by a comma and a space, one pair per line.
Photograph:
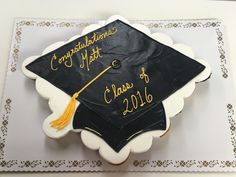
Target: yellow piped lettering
67, 58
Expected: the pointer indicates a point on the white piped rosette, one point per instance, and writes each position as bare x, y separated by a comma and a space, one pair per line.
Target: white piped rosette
58, 100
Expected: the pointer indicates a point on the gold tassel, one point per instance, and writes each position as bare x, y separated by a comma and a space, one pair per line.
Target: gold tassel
64, 119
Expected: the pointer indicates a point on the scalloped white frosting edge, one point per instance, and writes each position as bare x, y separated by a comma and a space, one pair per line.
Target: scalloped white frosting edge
58, 99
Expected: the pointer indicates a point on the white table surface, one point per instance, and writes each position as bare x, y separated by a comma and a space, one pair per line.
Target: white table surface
101, 9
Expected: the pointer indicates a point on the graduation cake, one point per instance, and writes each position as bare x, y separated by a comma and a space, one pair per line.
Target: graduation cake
117, 84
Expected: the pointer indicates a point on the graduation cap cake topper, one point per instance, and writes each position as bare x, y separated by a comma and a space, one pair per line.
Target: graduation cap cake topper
117, 84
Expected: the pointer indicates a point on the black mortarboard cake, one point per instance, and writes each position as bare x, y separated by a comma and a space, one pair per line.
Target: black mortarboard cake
120, 76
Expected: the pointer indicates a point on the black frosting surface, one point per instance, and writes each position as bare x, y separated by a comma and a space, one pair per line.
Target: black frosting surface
127, 99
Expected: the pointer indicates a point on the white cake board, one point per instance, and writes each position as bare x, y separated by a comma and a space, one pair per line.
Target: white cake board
201, 138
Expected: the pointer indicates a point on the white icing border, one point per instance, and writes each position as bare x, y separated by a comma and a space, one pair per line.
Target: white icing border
58, 100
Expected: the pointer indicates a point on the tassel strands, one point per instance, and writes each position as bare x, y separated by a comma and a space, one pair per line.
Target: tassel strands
65, 118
